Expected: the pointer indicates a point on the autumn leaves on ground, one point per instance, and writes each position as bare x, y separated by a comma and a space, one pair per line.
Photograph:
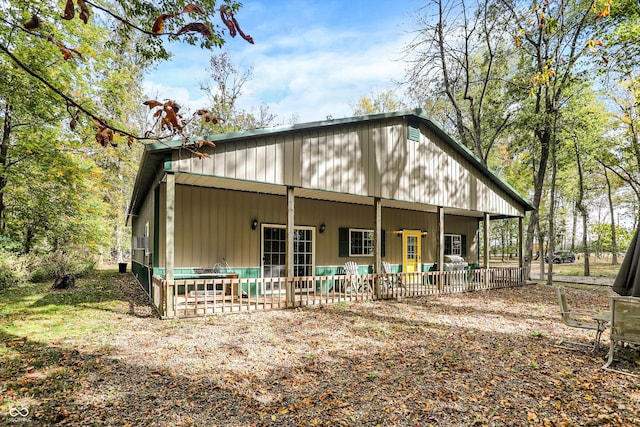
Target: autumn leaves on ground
98, 355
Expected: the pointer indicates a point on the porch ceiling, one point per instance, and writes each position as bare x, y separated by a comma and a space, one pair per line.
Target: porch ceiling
281, 190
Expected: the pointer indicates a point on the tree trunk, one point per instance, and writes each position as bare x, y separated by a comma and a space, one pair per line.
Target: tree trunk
583, 210
544, 138
542, 250
552, 212
28, 240
614, 245
119, 231
4, 158
503, 237
585, 242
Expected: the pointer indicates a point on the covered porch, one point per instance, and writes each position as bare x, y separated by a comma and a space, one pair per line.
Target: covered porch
304, 273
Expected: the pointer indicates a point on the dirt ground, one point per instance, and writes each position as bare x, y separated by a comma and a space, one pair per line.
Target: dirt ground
488, 358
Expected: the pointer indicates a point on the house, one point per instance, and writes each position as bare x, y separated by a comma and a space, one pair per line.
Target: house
272, 216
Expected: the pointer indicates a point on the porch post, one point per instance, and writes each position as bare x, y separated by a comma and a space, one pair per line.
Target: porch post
486, 240
521, 247
290, 246
440, 245
377, 250
169, 250
485, 236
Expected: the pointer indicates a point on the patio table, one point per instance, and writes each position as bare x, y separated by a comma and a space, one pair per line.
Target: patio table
604, 320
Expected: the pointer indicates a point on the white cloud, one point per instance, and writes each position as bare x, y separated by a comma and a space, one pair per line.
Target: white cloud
323, 80
301, 65
179, 94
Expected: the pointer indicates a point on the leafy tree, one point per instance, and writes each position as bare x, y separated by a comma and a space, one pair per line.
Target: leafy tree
556, 42
40, 130
509, 71
120, 92
52, 201
621, 43
382, 102
78, 65
26, 105
504, 238
621, 49
462, 53
603, 237
144, 23
585, 126
223, 90
623, 158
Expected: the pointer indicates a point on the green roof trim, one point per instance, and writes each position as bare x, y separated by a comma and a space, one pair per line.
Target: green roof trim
157, 153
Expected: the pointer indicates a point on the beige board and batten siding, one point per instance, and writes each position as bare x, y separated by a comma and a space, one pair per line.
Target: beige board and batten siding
258, 159
138, 229
212, 224
369, 158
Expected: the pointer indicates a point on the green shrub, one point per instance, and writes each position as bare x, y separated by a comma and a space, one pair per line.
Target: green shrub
51, 265
12, 269
9, 245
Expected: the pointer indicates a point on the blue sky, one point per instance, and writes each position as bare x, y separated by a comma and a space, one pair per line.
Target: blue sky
310, 58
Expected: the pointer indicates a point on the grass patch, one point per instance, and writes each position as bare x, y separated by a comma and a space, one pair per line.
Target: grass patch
52, 341
596, 268
33, 311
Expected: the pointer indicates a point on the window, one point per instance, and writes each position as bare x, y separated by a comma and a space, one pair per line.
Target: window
360, 242
141, 243
453, 244
345, 241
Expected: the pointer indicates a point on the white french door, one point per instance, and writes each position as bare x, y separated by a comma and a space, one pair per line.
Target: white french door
274, 255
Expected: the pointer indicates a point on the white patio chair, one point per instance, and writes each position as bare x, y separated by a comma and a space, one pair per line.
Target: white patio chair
353, 280
389, 281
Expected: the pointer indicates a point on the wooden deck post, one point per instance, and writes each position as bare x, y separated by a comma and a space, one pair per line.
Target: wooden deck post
485, 236
377, 249
169, 261
521, 248
290, 287
440, 246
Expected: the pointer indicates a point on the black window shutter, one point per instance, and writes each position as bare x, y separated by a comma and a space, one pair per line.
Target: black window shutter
463, 244
383, 244
343, 242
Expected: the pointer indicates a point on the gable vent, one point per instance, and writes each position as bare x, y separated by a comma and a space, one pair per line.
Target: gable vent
413, 131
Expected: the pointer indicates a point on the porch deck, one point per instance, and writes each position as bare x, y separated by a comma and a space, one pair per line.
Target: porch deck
196, 297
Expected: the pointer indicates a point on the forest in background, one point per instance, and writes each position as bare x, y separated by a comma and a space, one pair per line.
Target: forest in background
545, 93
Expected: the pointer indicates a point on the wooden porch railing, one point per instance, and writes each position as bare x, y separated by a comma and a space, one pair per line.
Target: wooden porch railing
203, 296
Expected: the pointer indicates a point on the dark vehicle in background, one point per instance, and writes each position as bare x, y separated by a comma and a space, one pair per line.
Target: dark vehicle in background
560, 257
